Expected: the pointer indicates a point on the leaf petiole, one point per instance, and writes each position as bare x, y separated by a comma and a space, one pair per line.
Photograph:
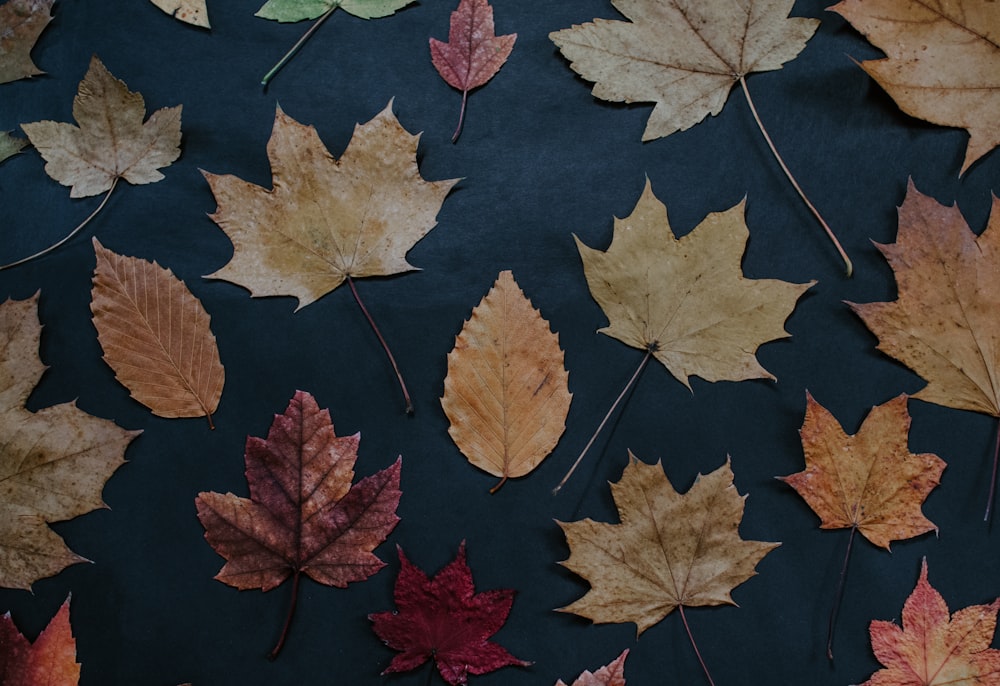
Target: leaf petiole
838, 598
694, 645
298, 45
288, 619
993, 476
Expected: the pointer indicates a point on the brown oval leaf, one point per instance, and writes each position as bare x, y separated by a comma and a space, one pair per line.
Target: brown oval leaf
506, 393
155, 335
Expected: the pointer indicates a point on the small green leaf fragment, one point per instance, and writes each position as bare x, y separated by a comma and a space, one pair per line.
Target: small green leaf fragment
10, 145
295, 10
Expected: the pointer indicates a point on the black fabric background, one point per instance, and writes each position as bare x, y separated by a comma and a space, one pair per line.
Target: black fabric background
541, 159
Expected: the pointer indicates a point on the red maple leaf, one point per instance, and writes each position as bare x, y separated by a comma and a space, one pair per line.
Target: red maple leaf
303, 515
445, 619
50, 660
473, 53
933, 649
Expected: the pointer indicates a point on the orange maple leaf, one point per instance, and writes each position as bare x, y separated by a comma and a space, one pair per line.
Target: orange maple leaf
49, 661
933, 648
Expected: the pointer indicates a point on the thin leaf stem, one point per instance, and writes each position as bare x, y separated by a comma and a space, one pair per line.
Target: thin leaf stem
69, 235
838, 598
993, 477
385, 346
795, 184
631, 382
461, 118
288, 619
298, 45
694, 645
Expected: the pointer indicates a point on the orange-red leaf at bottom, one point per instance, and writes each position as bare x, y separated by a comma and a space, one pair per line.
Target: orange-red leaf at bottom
49, 661
612, 674
933, 649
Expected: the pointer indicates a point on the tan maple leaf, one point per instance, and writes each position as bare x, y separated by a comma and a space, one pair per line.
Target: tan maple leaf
685, 300
53, 463
189, 11
326, 220
942, 61
156, 336
670, 549
21, 23
869, 481
506, 393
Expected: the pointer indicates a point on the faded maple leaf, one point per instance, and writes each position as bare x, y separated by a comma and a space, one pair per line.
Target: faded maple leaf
473, 54
327, 221
933, 648
49, 661
506, 393
10, 145
942, 62
445, 620
613, 674
156, 336
53, 463
21, 23
303, 515
189, 11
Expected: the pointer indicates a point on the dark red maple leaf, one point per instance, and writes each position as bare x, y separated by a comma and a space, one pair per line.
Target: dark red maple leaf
473, 53
445, 619
303, 515
50, 660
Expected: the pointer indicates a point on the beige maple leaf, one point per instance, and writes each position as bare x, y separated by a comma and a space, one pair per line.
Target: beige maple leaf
670, 549
942, 61
21, 23
189, 11
53, 463
506, 393
326, 220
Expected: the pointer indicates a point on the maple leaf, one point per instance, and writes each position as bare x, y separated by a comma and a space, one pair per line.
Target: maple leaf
10, 145
53, 463
942, 64
189, 11
506, 393
444, 619
473, 54
49, 661
303, 515
933, 648
612, 674
23, 22
156, 337
869, 481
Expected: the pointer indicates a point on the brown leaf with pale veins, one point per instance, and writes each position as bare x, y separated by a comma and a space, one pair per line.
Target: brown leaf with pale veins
53, 463
683, 56
943, 324
670, 549
686, 300
942, 61
189, 11
871, 480
156, 336
506, 394
111, 142
612, 674
326, 220
22, 22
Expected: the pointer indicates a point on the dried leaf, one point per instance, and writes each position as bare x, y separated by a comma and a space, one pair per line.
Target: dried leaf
943, 324
156, 336
669, 550
942, 63
683, 56
189, 11
444, 619
506, 393
870, 480
299, 10
473, 53
611, 675
49, 661
53, 463
326, 220
10, 145
686, 300
23, 22
303, 515
933, 649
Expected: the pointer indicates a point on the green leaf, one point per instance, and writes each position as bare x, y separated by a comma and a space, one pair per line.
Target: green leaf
10, 145
300, 10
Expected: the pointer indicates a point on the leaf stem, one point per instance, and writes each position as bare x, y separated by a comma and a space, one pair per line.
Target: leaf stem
795, 184
298, 45
461, 118
695, 645
604, 421
71, 233
288, 619
385, 346
993, 478
838, 598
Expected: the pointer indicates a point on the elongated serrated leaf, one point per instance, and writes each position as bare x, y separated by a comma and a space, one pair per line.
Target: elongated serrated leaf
300, 10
